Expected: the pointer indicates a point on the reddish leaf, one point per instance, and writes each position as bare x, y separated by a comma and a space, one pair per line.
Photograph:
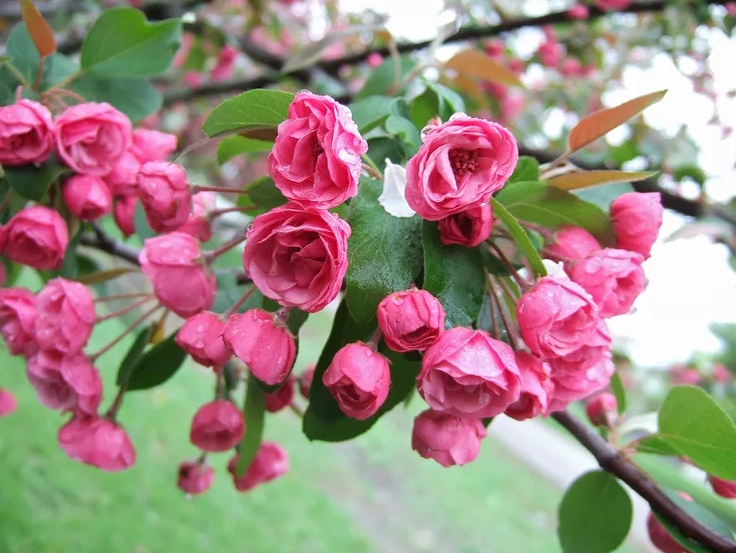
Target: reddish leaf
41, 33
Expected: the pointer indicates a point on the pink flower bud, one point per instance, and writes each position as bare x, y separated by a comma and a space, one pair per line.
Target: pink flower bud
36, 236
571, 67
596, 345
579, 385
150, 145
262, 343
579, 12
556, 317
192, 79
447, 439
121, 179
124, 213
551, 53
467, 373
26, 133
613, 278
359, 379
164, 193
201, 337
91, 138
536, 387
495, 48
731, 8
315, 243
8, 403
411, 320
97, 442
316, 157
17, 318
225, 64
374, 59
661, 538
467, 228
68, 383
88, 198
180, 280
686, 375
66, 314
636, 219
724, 488
570, 243
198, 225
516, 65
195, 477
720, 373
217, 426
461, 163
305, 381
270, 462
610, 5
602, 410
281, 398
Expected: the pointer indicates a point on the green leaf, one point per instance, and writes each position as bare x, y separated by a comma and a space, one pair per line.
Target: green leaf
135, 97
22, 52
527, 169
254, 412
384, 252
69, 268
134, 353
263, 193
602, 196
595, 514
695, 425
699, 513
257, 111
425, 107
229, 292
382, 148
450, 101
405, 129
370, 112
121, 43
454, 275
56, 68
158, 365
235, 145
520, 237
618, 390
551, 207
656, 445
382, 79
33, 182
142, 228
99, 277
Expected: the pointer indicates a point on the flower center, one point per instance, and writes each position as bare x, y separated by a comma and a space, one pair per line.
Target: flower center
463, 162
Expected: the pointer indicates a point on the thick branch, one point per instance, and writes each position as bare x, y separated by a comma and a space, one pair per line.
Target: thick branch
611, 461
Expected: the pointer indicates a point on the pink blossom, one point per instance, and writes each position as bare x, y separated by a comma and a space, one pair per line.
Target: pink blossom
18, 318
569, 243
194, 477
164, 193
217, 426
201, 337
724, 488
283, 397
611, 5
198, 223
579, 385
411, 320
97, 442
578, 11
8, 403
68, 383
121, 179
536, 387
305, 381
602, 410
551, 53
124, 214
26, 133
270, 462
151, 145
36, 236
637, 218
467, 228
447, 439
66, 314
88, 198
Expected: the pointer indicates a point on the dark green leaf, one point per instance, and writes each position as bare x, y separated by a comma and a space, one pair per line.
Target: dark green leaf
22, 52
297, 318
69, 267
384, 252
229, 292
382, 148
254, 413
551, 207
257, 111
425, 107
263, 193
617, 387
142, 228
595, 514
380, 81
121, 43
56, 68
450, 101
158, 365
454, 274
12, 270
235, 145
699, 513
527, 170
695, 425
493, 264
370, 112
135, 97
521, 238
410, 137
33, 182
134, 353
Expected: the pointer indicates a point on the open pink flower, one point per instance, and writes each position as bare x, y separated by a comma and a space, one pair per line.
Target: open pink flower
271, 462
316, 158
36, 236
297, 256
459, 166
97, 442
580, 385
18, 318
66, 314
467, 373
596, 345
91, 138
69, 383
26, 133
447, 439
411, 320
536, 387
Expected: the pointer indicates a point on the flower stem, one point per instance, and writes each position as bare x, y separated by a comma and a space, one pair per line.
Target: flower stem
39, 75
123, 297
215, 212
373, 344
125, 310
523, 284
237, 304
510, 330
116, 404
214, 254
196, 188
372, 172
125, 332
494, 318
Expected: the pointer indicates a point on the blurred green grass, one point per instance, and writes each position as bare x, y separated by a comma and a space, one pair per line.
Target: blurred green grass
373, 494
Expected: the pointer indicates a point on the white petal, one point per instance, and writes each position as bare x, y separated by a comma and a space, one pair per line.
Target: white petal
392, 199
556, 270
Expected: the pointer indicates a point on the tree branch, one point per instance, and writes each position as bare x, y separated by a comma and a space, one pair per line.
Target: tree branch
611, 461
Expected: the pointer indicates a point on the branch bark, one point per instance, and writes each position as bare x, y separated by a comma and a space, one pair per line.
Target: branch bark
611, 461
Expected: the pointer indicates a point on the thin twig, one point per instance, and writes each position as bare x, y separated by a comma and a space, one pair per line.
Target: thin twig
125, 332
